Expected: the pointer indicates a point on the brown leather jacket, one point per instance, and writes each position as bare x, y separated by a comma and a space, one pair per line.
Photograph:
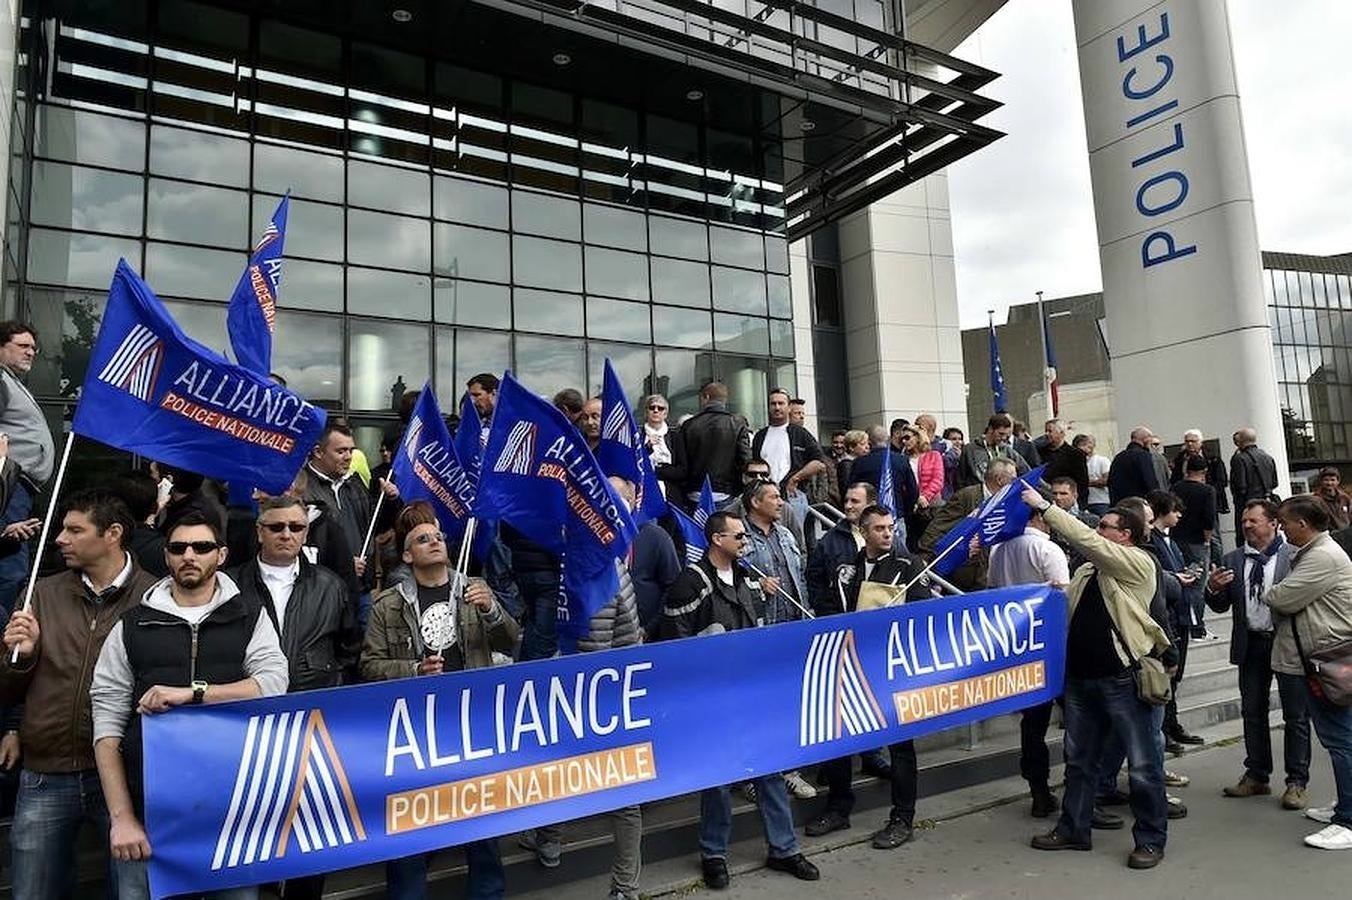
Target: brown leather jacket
57, 729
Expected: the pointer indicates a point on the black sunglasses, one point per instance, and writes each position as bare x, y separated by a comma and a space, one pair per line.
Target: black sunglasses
426, 537
653, 407
279, 527
201, 548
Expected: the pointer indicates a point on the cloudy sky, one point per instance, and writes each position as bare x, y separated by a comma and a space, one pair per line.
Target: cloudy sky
1023, 216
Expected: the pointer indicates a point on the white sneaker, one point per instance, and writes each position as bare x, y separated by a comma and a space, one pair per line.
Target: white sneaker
1335, 837
1322, 814
798, 786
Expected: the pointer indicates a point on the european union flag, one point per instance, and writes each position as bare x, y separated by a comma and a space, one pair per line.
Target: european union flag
540, 478
469, 439
623, 452
692, 526
426, 467
151, 389
887, 493
997, 373
253, 306
1002, 516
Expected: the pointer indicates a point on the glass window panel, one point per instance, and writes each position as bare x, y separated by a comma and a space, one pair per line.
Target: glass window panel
1306, 289
471, 253
203, 322
385, 359
541, 214
460, 302
317, 176
77, 135
80, 260
785, 375
547, 365
617, 274
199, 156
781, 297
678, 237
679, 282
776, 255
1279, 288
633, 366
734, 247
680, 375
1321, 294
614, 227
747, 383
312, 229
398, 242
389, 187
176, 271
742, 334
399, 295
195, 214
311, 285
546, 264
69, 323
781, 337
469, 202
307, 350
547, 311
682, 327
1345, 290
739, 291
86, 199
479, 351
1267, 287
617, 320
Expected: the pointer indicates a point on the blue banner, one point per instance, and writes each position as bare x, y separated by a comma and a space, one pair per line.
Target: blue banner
997, 373
426, 467
253, 307
1001, 516
623, 452
692, 526
313, 782
151, 389
538, 476
887, 492
469, 438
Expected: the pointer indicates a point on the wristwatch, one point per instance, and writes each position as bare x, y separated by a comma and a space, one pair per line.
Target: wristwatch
199, 691
1046, 505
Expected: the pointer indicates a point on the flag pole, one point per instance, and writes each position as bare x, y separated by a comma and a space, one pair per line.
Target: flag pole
925, 571
46, 530
806, 612
371, 529
1042, 333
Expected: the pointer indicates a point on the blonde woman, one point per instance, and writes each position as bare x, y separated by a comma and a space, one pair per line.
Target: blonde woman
856, 445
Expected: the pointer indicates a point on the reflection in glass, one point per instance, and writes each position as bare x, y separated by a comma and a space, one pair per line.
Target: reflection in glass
469, 202
69, 323
776, 255
86, 137
399, 295
307, 350
312, 229
737, 290
388, 187
376, 239
734, 247
477, 352
678, 237
682, 327
548, 312
748, 385
174, 271
470, 253
196, 214
460, 302
614, 227
199, 156
781, 299
781, 337
86, 199
617, 274
311, 285
542, 214
633, 366
547, 365
680, 375
385, 359
547, 264
680, 282
78, 260
317, 176
617, 320
743, 334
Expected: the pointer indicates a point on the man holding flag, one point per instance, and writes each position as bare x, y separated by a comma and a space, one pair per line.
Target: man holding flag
955, 521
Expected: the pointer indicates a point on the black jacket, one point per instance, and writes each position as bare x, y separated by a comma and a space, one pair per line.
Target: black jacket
716, 443
697, 599
1068, 462
1215, 476
834, 550
331, 548
803, 448
869, 468
319, 635
898, 568
1253, 475
147, 546
1132, 474
654, 568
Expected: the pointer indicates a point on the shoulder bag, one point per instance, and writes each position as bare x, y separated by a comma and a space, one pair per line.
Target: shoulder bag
1153, 685
1328, 671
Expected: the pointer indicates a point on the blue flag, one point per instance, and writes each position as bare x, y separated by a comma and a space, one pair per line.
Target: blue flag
426, 467
1000, 517
622, 451
692, 526
469, 435
539, 477
253, 306
887, 492
151, 389
997, 373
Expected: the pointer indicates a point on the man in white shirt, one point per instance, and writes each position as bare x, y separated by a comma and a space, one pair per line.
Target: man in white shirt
1032, 558
793, 453
1098, 473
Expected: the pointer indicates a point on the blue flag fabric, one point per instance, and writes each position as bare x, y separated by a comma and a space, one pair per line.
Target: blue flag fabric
539, 477
1002, 516
623, 452
151, 389
692, 526
887, 492
253, 306
426, 467
997, 374
469, 439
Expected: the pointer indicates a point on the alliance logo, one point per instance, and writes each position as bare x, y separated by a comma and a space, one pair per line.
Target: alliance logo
411, 440
290, 784
837, 698
135, 366
616, 427
518, 454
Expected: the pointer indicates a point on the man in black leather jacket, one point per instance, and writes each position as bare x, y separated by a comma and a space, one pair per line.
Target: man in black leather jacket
714, 442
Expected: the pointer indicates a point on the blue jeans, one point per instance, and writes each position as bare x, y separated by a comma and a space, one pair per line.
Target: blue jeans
1096, 709
47, 817
540, 594
14, 569
132, 882
1333, 725
715, 818
406, 878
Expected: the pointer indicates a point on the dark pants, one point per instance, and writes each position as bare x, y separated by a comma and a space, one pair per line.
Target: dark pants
1180, 624
47, 819
1035, 761
310, 887
1255, 694
905, 779
540, 595
406, 878
14, 568
1333, 724
1095, 709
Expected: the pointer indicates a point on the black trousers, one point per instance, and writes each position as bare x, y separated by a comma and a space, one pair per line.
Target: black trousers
1255, 692
1181, 639
905, 778
1035, 760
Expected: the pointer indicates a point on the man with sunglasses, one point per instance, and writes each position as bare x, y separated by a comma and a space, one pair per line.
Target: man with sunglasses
192, 639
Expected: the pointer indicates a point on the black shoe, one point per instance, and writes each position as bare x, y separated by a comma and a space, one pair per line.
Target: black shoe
1145, 857
1054, 840
1177, 809
876, 764
1112, 798
826, 823
1106, 821
715, 873
1187, 737
796, 865
1044, 803
892, 835
1174, 747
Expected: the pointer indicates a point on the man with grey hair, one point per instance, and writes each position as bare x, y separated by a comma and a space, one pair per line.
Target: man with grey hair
1216, 479
1065, 461
971, 575
1253, 473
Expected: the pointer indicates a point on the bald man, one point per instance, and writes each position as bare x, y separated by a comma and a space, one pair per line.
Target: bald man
1132, 473
1253, 473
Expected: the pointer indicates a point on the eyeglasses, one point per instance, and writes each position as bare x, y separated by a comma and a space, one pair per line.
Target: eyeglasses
653, 407
1104, 526
279, 527
426, 537
738, 536
201, 548
26, 346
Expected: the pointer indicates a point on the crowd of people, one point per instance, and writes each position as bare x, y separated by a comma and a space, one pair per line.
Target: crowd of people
173, 592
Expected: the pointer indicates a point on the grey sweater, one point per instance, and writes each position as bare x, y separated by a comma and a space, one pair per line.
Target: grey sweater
30, 441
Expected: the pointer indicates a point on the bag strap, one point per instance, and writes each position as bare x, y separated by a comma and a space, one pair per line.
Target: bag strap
1126, 648
1300, 650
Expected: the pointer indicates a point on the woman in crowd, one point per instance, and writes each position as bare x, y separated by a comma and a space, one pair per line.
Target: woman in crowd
928, 467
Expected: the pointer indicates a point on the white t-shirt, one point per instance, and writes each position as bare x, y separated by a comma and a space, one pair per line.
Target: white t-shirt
193, 615
725, 576
775, 451
1098, 468
280, 581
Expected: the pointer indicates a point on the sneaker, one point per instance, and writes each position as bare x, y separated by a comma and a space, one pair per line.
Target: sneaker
1321, 814
1173, 779
798, 786
1334, 837
1177, 809
1294, 797
1247, 787
749, 791
548, 852
892, 835
826, 823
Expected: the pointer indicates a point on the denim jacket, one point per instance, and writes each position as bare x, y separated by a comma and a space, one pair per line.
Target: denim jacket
777, 608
